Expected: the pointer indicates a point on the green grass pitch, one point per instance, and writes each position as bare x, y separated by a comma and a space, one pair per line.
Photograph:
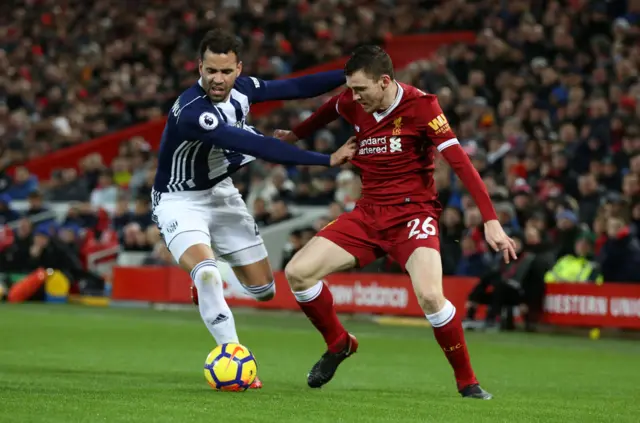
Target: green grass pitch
80, 364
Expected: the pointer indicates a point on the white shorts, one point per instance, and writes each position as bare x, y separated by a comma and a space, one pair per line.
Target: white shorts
217, 217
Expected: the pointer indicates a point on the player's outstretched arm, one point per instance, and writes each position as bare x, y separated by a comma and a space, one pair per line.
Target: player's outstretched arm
325, 114
439, 132
307, 86
208, 129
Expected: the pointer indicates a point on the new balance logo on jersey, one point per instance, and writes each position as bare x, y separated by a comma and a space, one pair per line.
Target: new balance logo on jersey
219, 319
395, 144
439, 124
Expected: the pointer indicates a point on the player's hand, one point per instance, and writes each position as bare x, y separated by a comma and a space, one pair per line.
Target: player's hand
286, 136
345, 153
499, 241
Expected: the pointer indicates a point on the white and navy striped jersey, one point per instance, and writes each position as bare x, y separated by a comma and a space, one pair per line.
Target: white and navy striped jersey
205, 142
188, 164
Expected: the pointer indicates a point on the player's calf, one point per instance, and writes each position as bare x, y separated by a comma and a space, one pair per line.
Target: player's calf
425, 269
199, 261
304, 273
256, 279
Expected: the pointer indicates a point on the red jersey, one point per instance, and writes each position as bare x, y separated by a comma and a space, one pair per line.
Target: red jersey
397, 148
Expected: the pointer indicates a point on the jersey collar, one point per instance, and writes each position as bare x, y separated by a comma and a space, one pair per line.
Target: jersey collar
379, 116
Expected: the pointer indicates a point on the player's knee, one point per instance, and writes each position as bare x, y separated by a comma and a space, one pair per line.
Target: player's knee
299, 275
430, 299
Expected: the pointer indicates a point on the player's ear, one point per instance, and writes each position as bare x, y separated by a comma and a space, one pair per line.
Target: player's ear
238, 69
200, 66
385, 81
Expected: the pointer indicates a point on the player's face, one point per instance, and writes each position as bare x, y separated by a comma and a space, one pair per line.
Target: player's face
367, 91
219, 73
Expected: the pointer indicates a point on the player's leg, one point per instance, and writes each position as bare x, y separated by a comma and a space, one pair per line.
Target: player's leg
319, 258
340, 246
184, 224
237, 241
185, 229
418, 248
192, 251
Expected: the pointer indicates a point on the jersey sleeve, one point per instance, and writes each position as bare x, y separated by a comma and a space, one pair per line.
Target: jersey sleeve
325, 114
437, 130
435, 124
207, 127
307, 86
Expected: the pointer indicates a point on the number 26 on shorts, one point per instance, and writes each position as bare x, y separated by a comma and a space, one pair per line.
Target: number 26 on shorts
421, 229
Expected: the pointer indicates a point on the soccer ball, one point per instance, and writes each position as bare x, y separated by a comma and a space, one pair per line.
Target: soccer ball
230, 367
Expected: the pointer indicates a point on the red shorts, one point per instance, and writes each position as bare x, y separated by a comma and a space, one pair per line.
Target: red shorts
371, 231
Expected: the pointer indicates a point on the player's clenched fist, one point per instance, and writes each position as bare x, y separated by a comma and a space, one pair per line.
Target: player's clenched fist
499, 241
344, 153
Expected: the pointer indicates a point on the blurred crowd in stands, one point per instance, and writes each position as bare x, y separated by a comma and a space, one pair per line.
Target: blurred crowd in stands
545, 103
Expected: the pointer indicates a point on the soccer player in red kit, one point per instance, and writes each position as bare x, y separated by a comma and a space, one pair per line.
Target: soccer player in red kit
398, 129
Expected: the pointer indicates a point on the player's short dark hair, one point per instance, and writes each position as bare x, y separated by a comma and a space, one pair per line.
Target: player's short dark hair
370, 59
219, 41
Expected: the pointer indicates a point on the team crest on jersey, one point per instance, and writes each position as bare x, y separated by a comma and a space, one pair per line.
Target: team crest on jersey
397, 126
171, 227
208, 121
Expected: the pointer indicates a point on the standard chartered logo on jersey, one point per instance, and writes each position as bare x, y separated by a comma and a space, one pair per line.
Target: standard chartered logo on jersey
380, 145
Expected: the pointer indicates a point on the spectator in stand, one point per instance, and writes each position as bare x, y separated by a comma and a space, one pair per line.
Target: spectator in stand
279, 212
122, 216
106, 192
66, 186
16, 257
578, 267
474, 260
142, 212
260, 213
5, 179
23, 184
7, 215
92, 166
135, 239
620, 255
36, 204
568, 231
121, 171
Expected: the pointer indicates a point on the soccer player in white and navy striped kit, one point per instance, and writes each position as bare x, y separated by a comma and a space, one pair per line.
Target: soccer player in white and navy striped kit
206, 139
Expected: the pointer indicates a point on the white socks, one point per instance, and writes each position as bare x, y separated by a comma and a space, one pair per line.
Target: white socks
442, 317
309, 294
214, 310
262, 293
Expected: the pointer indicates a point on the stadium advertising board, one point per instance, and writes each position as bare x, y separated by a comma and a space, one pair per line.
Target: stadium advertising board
609, 305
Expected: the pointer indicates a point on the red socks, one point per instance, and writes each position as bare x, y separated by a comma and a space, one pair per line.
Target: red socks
447, 328
317, 303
